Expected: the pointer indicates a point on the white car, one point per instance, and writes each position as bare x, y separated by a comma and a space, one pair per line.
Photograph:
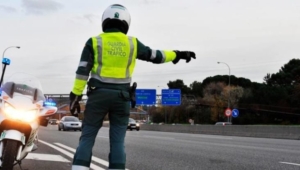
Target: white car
69, 123
132, 124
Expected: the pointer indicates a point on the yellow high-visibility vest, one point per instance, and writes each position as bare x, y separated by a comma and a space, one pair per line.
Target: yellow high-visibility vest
114, 57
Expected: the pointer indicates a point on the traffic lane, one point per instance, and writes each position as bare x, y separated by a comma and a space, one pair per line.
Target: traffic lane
263, 147
267, 144
286, 143
209, 153
247, 142
146, 147
45, 158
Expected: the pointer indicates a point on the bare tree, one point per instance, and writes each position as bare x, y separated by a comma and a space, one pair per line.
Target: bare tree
213, 92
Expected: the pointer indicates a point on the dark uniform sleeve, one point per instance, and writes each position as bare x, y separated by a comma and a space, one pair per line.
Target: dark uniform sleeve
84, 68
155, 56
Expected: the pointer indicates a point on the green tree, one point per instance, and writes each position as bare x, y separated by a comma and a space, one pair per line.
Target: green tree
179, 84
196, 89
288, 75
235, 81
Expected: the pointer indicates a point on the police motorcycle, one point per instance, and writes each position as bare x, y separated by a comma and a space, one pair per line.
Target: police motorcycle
23, 109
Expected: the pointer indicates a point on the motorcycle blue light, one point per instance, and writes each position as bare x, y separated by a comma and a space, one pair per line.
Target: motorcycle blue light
47, 103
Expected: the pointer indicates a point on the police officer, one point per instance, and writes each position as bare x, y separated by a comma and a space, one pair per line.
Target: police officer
109, 60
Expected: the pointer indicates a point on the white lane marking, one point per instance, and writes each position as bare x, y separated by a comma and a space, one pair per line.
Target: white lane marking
101, 161
93, 166
46, 157
98, 160
290, 163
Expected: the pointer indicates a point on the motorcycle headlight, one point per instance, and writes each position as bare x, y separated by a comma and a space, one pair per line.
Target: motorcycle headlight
13, 113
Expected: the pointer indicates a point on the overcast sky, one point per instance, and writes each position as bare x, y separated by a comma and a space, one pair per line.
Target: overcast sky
254, 37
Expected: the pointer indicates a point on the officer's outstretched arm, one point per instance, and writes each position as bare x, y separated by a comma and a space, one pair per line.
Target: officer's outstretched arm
162, 56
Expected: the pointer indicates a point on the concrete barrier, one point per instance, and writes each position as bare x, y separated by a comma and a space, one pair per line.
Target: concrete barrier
263, 131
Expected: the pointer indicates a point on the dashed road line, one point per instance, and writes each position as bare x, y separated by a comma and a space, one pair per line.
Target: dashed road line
46, 157
98, 160
101, 161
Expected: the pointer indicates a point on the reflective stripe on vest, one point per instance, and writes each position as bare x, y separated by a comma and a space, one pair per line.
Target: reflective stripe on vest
115, 55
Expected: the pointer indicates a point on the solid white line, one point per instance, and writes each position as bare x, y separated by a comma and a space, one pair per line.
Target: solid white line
46, 157
100, 161
93, 166
290, 163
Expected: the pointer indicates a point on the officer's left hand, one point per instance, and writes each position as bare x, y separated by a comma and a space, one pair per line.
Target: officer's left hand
75, 108
184, 55
74, 102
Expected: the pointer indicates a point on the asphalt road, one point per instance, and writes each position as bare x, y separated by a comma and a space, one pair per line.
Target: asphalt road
147, 150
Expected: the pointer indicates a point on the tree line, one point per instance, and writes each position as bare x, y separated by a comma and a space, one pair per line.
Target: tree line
275, 101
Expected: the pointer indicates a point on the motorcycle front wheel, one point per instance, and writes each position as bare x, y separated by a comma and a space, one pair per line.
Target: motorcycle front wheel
9, 154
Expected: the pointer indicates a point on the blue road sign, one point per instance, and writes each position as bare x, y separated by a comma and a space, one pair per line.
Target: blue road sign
145, 96
235, 113
171, 97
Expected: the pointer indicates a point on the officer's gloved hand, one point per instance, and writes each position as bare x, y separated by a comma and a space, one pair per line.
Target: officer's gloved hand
132, 94
74, 102
184, 55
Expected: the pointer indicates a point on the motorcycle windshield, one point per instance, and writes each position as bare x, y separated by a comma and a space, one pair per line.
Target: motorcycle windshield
24, 84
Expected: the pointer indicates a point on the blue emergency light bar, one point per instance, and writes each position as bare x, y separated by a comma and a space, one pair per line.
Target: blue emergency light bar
6, 61
49, 103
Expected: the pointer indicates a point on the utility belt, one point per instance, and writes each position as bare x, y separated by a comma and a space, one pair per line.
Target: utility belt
131, 90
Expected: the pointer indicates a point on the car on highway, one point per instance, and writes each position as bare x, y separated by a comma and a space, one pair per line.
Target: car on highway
53, 121
69, 123
132, 124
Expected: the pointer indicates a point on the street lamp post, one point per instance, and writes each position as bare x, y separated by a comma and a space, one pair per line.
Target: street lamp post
161, 87
228, 85
7, 49
161, 103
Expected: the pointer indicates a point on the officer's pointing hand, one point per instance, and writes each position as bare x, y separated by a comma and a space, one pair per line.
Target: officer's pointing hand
74, 102
184, 55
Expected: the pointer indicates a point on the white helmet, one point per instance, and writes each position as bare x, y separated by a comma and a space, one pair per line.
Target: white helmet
116, 12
